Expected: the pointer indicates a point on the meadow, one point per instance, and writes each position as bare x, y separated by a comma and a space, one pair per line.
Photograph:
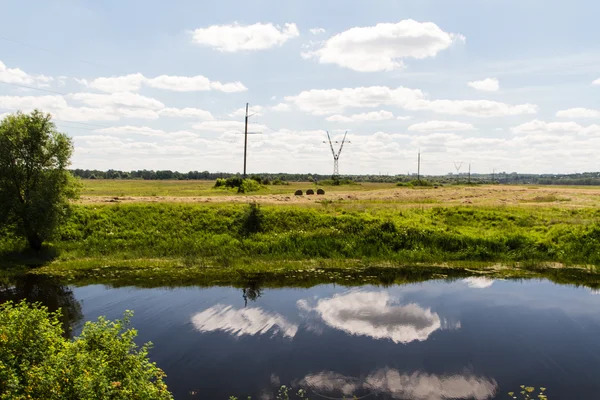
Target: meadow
121, 234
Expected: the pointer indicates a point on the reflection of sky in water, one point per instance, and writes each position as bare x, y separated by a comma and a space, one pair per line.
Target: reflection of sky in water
397, 385
479, 282
402, 339
245, 321
375, 314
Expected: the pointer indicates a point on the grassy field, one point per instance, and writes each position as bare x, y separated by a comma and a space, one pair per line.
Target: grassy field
355, 233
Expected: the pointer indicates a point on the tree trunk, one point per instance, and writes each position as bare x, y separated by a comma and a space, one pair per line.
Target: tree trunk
35, 241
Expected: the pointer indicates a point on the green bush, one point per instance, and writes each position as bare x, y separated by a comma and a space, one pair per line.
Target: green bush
36, 362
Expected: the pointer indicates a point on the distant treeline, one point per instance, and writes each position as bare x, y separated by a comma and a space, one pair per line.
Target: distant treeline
587, 178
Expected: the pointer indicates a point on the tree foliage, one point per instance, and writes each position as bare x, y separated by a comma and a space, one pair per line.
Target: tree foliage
36, 362
35, 184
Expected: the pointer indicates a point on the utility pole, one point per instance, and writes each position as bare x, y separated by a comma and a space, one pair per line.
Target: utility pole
493, 175
458, 165
469, 173
336, 156
245, 140
419, 167
246, 133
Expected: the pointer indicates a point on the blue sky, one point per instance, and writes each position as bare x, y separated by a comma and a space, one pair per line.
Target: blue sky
505, 85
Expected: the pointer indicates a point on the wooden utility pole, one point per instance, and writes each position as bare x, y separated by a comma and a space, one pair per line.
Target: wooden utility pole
419, 167
245, 140
469, 173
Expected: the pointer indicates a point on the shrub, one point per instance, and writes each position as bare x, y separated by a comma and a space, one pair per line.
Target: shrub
249, 185
103, 363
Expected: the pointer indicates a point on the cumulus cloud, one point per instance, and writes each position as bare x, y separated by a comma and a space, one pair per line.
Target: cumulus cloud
440, 126
473, 108
374, 314
134, 82
186, 113
486, 85
240, 322
317, 31
596, 82
578, 113
556, 128
236, 37
132, 130
383, 47
392, 383
330, 101
252, 110
480, 282
369, 116
226, 126
281, 107
18, 76
122, 99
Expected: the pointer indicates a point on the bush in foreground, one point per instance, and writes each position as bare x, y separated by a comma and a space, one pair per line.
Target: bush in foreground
36, 362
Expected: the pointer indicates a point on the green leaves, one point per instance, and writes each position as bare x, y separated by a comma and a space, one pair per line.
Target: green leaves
35, 185
103, 363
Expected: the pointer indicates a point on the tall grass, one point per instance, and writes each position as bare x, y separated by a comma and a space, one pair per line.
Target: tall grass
227, 232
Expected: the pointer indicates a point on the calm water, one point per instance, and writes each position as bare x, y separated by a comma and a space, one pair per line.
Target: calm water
467, 339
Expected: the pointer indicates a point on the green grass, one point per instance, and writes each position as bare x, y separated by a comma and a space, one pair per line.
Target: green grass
141, 188
229, 242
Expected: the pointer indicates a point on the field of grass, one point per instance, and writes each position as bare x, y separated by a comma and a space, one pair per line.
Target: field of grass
226, 243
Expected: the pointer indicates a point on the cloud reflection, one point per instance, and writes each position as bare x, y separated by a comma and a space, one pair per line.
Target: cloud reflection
375, 315
397, 385
479, 282
246, 321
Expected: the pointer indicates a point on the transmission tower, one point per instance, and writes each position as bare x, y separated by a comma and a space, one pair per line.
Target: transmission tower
336, 156
458, 165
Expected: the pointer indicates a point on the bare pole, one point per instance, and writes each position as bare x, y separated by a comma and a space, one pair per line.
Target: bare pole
469, 173
245, 140
419, 167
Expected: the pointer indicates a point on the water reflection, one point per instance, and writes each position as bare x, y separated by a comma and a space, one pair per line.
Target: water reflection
246, 321
377, 315
479, 282
398, 385
49, 292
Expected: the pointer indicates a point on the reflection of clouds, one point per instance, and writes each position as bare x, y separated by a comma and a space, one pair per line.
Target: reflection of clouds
479, 282
239, 322
416, 386
373, 314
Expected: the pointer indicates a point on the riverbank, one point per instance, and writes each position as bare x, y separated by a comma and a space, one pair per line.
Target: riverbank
229, 243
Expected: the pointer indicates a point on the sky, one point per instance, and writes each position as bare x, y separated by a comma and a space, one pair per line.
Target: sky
503, 85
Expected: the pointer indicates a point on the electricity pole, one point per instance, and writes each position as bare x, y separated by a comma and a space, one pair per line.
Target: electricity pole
419, 167
246, 133
245, 140
469, 173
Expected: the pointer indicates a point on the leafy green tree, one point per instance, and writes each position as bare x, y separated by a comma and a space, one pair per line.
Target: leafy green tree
37, 362
35, 185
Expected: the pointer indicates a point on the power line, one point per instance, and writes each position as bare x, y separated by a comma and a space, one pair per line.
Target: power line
56, 53
33, 88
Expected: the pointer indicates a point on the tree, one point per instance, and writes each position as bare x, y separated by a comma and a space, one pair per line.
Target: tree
35, 185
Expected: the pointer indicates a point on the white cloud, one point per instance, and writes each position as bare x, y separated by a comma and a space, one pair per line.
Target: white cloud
82, 114
18, 76
388, 382
440, 126
479, 282
578, 113
473, 108
317, 31
329, 101
241, 112
281, 107
556, 128
134, 82
375, 314
120, 99
369, 116
126, 83
404, 118
240, 322
227, 126
236, 37
132, 130
186, 113
29, 103
596, 82
486, 85
383, 47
